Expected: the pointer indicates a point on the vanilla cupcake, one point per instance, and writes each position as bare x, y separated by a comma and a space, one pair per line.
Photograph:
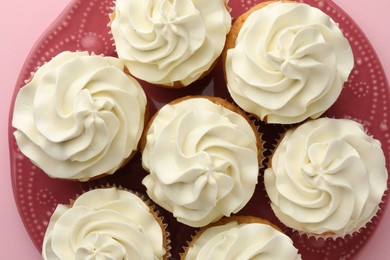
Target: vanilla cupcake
105, 223
170, 43
327, 177
80, 116
202, 155
241, 237
286, 62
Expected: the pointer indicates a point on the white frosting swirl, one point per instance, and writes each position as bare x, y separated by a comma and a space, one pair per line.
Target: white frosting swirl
165, 41
80, 116
289, 63
242, 241
327, 175
104, 224
202, 159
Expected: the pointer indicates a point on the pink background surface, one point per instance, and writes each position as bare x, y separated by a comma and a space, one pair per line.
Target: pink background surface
22, 24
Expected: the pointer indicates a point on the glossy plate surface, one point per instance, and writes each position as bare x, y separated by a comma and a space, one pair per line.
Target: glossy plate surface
83, 26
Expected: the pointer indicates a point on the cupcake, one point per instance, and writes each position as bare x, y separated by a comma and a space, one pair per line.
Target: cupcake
80, 116
170, 43
327, 178
241, 237
106, 223
202, 155
286, 62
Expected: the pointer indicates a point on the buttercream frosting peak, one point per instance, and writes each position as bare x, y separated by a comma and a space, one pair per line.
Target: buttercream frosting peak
104, 224
164, 41
202, 159
242, 241
327, 175
289, 63
79, 116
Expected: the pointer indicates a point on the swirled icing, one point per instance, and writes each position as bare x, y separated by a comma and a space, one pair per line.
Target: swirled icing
327, 176
80, 116
242, 241
202, 159
165, 41
289, 63
104, 224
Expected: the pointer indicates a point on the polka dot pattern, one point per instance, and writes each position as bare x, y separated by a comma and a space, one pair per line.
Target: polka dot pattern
77, 30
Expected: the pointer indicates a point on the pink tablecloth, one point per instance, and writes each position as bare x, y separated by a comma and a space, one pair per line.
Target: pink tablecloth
22, 22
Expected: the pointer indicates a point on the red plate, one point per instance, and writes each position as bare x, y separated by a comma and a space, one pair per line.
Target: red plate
83, 26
